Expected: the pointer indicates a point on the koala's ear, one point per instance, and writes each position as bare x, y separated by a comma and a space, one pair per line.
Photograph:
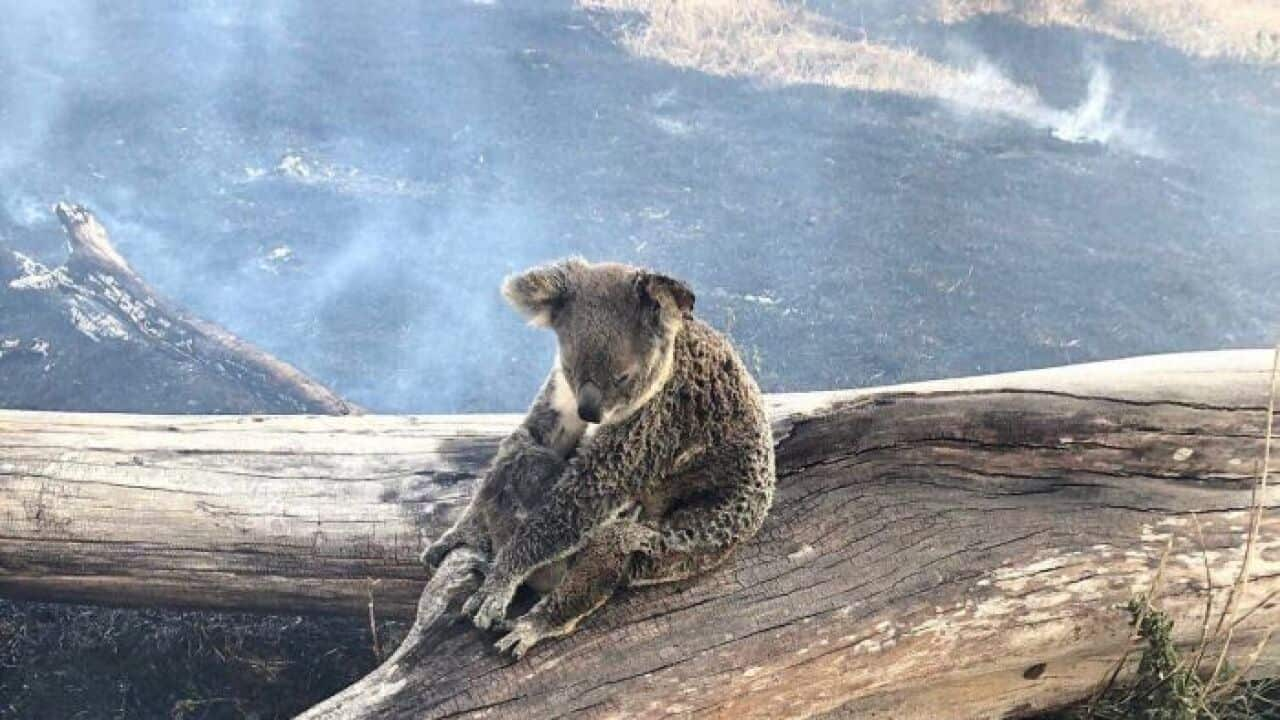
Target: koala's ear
667, 292
538, 292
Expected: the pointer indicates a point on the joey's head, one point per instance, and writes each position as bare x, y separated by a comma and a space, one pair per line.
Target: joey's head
616, 327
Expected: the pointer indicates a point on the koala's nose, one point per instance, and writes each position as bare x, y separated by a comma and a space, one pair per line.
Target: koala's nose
589, 399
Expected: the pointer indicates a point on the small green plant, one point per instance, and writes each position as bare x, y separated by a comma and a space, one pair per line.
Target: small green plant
1168, 687
1165, 690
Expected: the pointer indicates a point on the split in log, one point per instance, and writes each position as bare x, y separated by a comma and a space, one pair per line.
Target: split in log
930, 543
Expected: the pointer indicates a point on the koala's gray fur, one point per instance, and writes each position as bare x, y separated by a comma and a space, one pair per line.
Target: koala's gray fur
527, 464
677, 472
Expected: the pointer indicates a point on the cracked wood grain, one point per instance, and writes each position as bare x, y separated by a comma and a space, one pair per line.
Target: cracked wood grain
947, 549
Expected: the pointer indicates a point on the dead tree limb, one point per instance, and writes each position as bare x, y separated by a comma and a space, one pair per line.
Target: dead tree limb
94, 318
958, 548
93, 254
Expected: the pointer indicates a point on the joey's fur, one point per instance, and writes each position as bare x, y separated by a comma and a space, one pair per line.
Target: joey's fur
677, 468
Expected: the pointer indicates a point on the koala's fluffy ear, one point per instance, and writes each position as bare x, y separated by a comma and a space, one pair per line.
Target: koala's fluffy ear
537, 292
667, 292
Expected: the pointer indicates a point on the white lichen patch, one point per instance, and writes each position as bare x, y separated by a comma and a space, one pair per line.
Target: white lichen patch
996, 607
803, 553
36, 276
1049, 589
1056, 562
133, 309
1149, 535
942, 625
1183, 454
886, 637
869, 646
95, 324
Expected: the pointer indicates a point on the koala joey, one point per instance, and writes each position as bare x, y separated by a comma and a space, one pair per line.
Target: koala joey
646, 457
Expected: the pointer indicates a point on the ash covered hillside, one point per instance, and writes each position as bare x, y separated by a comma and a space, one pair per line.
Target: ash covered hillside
861, 192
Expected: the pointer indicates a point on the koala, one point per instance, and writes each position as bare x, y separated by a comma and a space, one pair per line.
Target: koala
646, 457
526, 466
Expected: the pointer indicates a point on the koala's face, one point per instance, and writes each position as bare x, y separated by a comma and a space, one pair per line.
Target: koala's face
616, 326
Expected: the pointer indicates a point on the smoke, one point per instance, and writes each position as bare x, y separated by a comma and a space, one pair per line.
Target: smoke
785, 45
1091, 121
33, 91
264, 183
25, 210
1098, 118
346, 184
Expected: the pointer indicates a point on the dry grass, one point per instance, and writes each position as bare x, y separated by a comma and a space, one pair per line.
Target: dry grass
780, 42
784, 44
776, 43
1247, 30
1231, 616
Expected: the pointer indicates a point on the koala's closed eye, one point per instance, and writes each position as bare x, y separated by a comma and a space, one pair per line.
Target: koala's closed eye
623, 378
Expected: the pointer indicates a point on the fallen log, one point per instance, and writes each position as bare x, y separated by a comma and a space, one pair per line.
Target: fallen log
72, 331
958, 548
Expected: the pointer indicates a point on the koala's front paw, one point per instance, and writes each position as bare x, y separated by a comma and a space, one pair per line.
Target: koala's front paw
488, 606
523, 636
435, 553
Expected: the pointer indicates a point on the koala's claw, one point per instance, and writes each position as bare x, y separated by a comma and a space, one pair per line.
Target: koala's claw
488, 606
472, 604
435, 554
488, 613
523, 636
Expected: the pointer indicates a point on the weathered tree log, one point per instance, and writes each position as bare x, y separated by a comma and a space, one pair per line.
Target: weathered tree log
93, 320
958, 548
93, 254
